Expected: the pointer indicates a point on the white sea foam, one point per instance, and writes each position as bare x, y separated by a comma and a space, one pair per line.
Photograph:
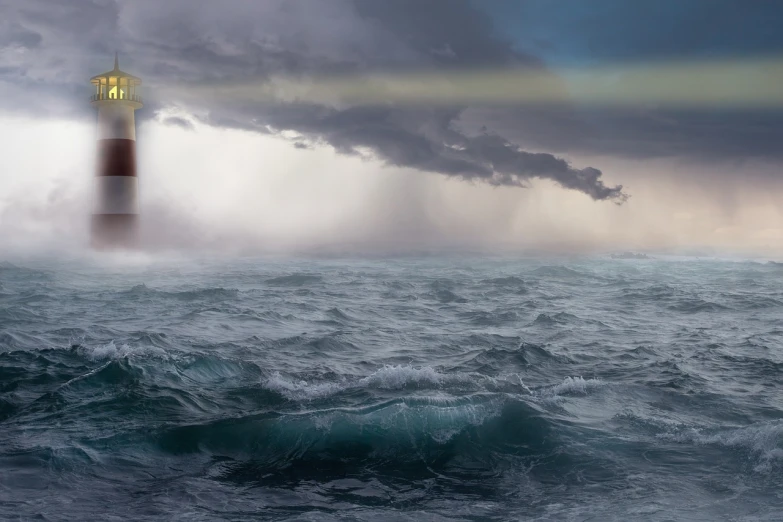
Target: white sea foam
436, 400
113, 351
392, 377
301, 389
397, 377
576, 385
411, 421
389, 377
765, 440
106, 351
444, 423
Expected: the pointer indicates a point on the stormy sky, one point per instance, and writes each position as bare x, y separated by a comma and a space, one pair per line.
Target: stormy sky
376, 122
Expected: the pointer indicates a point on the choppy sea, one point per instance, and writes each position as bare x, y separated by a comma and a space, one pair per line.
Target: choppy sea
410, 389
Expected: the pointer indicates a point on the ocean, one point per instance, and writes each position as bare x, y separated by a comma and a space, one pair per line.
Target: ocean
429, 388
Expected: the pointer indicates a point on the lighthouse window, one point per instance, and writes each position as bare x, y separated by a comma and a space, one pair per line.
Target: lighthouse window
113, 93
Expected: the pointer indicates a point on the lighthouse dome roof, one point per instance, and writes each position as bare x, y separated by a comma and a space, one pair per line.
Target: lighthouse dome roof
115, 74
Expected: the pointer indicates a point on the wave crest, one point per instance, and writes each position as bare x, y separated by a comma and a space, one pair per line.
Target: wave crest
389, 377
395, 438
763, 440
576, 386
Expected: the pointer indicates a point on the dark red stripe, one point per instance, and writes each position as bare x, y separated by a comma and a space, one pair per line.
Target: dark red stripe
116, 157
115, 231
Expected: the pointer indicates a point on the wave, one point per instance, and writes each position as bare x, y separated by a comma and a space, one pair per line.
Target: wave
11, 340
403, 438
668, 374
547, 320
752, 301
762, 367
763, 441
398, 285
207, 293
400, 378
31, 370
114, 372
640, 353
295, 280
574, 386
559, 271
32, 297
270, 315
510, 283
513, 356
692, 306
447, 296
20, 315
300, 389
204, 369
389, 377
656, 291
504, 281
7, 409
561, 318
161, 365
141, 289
443, 290
495, 318
536, 354
201, 293
114, 351
330, 344
338, 314
10, 271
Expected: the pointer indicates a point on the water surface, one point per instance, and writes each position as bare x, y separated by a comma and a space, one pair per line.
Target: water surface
432, 388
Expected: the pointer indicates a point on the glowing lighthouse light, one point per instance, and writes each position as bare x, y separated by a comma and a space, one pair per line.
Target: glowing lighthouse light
116, 212
113, 94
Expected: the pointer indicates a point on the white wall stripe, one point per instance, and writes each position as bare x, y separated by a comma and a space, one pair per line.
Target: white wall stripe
116, 195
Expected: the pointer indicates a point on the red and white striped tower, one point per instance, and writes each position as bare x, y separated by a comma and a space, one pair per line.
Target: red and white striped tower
115, 218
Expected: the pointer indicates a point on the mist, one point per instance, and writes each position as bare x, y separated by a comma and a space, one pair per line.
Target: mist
206, 190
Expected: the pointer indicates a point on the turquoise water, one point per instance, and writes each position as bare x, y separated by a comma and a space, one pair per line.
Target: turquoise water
410, 389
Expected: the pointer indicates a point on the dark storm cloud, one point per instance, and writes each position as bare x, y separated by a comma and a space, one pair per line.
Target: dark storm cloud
179, 41
703, 136
425, 139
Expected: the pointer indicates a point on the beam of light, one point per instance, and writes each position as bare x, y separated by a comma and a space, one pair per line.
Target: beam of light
731, 84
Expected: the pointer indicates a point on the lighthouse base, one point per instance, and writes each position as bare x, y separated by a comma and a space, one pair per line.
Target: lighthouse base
115, 231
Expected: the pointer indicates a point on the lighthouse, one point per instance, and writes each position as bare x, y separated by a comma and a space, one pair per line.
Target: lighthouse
116, 211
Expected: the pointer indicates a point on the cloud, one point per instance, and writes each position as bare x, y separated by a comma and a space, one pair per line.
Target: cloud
13, 35
226, 191
178, 122
178, 42
428, 140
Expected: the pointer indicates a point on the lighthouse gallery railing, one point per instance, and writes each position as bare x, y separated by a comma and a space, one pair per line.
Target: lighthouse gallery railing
131, 97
